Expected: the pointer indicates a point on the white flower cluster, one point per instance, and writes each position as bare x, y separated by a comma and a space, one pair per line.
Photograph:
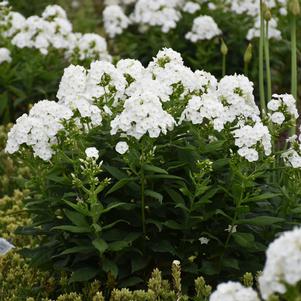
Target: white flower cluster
143, 113
282, 265
51, 30
273, 31
115, 20
191, 7
203, 28
38, 129
292, 157
233, 291
251, 7
247, 138
5, 55
282, 108
92, 152
150, 101
162, 13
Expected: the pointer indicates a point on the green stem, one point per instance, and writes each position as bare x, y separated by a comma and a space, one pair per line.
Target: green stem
246, 69
142, 191
267, 61
294, 75
261, 50
224, 65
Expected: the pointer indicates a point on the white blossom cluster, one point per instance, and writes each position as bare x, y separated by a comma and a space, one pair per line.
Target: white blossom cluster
282, 266
273, 31
233, 291
151, 101
203, 28
292, 156
115, 20
191, 7
38, 129
162, 13
5, 55
51, 30
251, 7
143, 113
247, 138
282, 108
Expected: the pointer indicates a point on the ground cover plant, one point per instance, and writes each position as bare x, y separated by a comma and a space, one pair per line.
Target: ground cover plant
152, 179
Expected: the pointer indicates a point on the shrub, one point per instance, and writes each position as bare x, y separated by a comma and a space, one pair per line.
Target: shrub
187, 171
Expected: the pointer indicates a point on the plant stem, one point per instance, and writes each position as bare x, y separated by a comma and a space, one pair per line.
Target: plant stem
294, 75
224, 65
267, 62
261, 49
142, 179
246, 69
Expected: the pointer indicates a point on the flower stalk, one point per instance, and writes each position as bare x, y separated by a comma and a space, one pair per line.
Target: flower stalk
267, 18
261, 62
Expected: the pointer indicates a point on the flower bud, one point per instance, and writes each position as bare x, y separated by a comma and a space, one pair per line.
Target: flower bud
294, 7
248, 54
224, 48
267, 15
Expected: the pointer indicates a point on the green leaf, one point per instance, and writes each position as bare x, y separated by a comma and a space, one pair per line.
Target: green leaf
164, 246
118, 245
73, 229
171, 224
76, 218
245, 240
261, 197
81, 207
175, 196
231, 263
261, 220
100, 245
121, 183
114, 223
131, 281
169, 177
154, 194
78, 249
110, 266
83, 274
138, 263
154, 169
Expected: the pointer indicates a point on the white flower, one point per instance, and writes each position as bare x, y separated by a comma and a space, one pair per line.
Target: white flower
203, 28
162, 13
115, 21
274, 33
231, 229
277, 118
282, 266
38, 129
283, 108
191, 7
5, 246
176, 262
233, 291
121, 147
142, 114
204, 240
5, 55
92, 152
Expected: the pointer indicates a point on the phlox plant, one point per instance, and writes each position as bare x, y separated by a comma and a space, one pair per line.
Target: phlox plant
136, 166
139, 29
34, 51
